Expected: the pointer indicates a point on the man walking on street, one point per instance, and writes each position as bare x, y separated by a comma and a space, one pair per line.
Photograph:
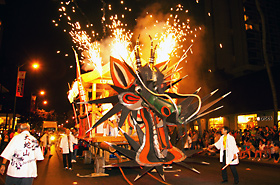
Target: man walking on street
66, 145
46, 143
228, 154
22, 151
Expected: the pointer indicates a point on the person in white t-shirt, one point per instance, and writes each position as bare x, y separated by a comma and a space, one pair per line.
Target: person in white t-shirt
188, 143
22, 151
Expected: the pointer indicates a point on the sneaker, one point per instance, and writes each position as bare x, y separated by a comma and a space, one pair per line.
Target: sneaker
224, 181
73, 161
50, 156
70, 169
65, 168
259, 159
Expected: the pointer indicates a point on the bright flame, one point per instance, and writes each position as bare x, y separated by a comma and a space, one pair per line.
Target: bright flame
90, 50
120, 43
170, 36
165, 48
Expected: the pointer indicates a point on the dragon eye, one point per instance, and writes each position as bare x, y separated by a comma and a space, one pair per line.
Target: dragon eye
138, 89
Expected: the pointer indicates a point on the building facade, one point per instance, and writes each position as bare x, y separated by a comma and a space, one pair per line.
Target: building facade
234, 32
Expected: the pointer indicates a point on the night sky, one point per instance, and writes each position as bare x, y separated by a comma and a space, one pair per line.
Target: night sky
29, 35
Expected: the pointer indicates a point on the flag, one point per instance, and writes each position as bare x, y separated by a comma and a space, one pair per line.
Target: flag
20, 83
33, 103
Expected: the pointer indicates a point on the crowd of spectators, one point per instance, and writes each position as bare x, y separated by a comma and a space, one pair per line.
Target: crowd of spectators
255, 143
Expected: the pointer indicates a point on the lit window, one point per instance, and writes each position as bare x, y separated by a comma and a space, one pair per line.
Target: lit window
216, 122
245, 18
245, 121
248, 27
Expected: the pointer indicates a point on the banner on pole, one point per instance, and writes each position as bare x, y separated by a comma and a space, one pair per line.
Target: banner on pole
33, 103
20, 83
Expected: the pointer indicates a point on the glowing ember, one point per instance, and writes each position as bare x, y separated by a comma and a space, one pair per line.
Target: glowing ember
169, 33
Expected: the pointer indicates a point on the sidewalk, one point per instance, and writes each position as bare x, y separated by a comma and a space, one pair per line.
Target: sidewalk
246, 160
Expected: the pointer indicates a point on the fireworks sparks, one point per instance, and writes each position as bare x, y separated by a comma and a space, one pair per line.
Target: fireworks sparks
120, 43
171, 35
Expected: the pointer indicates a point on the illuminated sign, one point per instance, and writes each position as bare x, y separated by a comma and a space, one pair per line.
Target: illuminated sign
265, 118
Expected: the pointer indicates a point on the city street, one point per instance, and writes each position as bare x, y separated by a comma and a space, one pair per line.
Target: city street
52, 172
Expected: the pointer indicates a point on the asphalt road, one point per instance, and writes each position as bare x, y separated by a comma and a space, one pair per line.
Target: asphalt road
51, 172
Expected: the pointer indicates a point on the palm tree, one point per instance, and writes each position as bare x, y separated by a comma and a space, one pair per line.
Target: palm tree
269, 73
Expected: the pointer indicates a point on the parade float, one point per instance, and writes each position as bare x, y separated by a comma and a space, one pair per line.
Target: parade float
140, 90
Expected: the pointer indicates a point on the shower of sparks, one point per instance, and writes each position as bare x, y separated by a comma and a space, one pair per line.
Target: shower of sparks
172, 36
121, 41
90, 50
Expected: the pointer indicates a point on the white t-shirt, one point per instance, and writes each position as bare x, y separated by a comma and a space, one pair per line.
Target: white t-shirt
22, 152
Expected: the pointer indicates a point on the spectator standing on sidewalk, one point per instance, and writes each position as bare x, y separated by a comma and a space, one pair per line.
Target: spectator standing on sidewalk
194, 140
188, 143
228, 154
66, 145
23, 151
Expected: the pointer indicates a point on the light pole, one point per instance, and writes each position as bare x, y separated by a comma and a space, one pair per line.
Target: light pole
35, 66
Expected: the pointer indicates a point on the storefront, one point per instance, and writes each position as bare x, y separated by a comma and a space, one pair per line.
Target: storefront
6, 121
216, 123
244, 121
247, 121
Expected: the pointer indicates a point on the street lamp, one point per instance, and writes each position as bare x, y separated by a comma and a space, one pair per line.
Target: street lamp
20, 87
42, 92
35, 65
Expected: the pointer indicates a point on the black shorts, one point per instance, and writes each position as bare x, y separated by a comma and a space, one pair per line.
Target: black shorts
13, 180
